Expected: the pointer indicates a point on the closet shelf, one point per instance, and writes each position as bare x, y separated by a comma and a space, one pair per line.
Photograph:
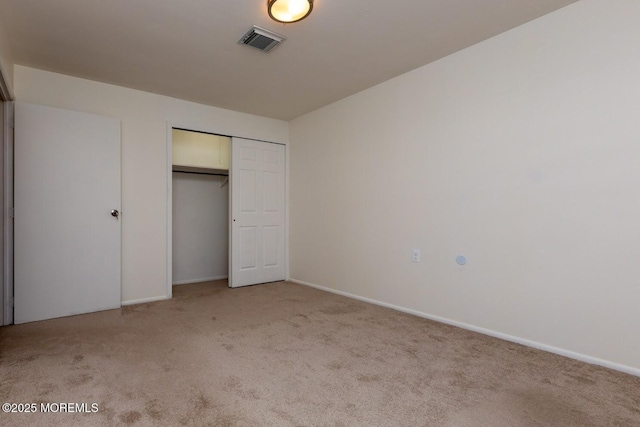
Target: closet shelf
200, 171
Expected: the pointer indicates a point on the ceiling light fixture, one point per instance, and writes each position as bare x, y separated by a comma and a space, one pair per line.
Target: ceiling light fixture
288, 11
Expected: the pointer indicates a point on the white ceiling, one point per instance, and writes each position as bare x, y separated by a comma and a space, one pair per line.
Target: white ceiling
188, 48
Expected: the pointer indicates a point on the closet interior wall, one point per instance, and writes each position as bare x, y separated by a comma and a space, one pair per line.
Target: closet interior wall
200, 209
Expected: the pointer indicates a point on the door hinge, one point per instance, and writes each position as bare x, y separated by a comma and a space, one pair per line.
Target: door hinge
12, 213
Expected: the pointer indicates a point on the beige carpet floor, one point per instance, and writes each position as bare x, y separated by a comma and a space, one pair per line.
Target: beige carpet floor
286, 355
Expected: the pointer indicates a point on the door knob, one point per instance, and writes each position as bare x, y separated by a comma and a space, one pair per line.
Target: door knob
115, 213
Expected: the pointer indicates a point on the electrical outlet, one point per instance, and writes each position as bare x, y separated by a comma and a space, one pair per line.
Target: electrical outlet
415, 255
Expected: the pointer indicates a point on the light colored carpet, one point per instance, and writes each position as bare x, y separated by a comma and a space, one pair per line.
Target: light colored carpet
286, 355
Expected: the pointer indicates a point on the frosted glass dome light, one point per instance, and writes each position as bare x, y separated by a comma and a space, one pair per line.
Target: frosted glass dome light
288, 11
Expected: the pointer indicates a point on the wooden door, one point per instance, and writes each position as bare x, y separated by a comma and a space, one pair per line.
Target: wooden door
67, 203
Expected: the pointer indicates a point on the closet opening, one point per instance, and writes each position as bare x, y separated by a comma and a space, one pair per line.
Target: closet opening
200, 207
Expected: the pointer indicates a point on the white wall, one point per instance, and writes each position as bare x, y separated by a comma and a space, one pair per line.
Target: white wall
200, 228
200, 150
521, 153
145, 118
6, 58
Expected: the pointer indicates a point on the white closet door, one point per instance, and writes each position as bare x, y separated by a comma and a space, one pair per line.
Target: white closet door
257, 212
67, 239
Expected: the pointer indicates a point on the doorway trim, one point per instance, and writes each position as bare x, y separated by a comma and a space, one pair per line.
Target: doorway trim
6, 204
7, 215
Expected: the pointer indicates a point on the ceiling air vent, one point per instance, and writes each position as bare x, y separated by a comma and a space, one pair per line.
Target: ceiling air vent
262, 39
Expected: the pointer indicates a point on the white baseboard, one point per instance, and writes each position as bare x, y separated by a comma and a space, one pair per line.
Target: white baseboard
144, 300
206, 279
562, 352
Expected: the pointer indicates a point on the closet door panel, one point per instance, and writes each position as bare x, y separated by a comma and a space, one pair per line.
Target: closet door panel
257, 203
